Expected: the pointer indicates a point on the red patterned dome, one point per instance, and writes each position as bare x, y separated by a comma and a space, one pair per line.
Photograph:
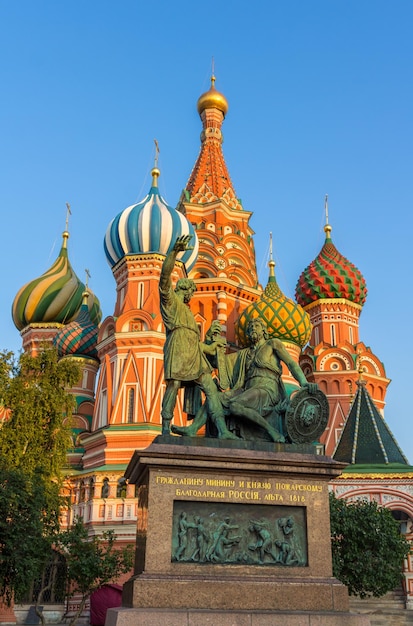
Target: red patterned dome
332, 276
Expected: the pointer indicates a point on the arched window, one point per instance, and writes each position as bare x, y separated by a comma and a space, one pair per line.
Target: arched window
403, 519
103, 409
333, 334
105, 488
91, 489
141, 295
130, 411
121, 488
84, 379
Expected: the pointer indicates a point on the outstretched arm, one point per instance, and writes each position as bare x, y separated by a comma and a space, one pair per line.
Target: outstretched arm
181, 244
211, 348
294, 368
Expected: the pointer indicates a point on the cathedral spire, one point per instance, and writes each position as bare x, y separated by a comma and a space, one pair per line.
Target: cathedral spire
271, 264
155, 173
327, 227
210, 179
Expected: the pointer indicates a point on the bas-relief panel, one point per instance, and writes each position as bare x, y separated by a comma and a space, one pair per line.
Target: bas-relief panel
225, 533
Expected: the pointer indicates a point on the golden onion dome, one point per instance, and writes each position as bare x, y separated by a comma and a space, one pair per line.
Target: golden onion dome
212, 99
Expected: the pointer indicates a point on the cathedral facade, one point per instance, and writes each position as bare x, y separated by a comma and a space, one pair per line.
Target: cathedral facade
120, 392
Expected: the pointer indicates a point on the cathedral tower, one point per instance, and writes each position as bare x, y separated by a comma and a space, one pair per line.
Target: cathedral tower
225, 272
45, 304
333, 291
130, 342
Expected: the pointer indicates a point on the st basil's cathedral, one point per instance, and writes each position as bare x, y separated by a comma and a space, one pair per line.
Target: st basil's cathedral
120, 392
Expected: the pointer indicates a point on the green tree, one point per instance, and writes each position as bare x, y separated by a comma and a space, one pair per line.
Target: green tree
26, 524
91, 562
34, 388
33, 444
367, 547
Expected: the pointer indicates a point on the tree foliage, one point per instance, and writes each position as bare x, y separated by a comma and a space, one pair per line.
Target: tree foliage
33, 444
26, 525
92, 562
367, 547
34, 388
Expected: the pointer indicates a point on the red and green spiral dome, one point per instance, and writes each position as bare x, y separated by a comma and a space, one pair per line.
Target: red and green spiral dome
331, 276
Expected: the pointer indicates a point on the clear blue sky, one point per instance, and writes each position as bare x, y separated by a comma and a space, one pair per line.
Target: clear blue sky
320, 101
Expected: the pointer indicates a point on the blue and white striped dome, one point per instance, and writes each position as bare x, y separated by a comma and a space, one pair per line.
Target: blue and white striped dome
149, 226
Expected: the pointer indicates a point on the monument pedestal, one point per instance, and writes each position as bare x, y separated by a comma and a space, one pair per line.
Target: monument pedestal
232, 535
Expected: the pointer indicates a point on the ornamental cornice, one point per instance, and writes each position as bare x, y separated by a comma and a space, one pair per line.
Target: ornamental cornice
83, 361
147, 256
374, 476
210, 207
228, 286
42, 325
331, 301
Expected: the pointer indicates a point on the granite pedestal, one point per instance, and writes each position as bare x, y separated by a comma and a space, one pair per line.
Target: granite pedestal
227, 534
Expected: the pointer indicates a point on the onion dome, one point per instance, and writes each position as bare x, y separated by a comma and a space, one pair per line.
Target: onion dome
79, 338
54, 297
212, 99
151, 226
332, 276
284, 319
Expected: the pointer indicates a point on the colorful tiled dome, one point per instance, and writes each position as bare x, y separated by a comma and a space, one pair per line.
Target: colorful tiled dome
330, 275
285, 319
79, 338
54, 297
148, 227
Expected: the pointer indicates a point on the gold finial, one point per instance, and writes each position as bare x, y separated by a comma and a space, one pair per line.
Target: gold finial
213, 74
85, 294
156, 152
65, 234
155, 171
68, 212
271, 262
327, 227
66, 231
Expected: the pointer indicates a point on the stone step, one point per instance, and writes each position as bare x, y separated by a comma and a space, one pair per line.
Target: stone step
389, 610
390, 618
392, 601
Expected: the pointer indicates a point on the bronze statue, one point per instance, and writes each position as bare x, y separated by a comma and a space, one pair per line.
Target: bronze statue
184, 354
256, 391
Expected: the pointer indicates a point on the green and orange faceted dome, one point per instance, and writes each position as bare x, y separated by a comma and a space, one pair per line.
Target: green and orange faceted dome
283, 318
331, 276
55, 297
